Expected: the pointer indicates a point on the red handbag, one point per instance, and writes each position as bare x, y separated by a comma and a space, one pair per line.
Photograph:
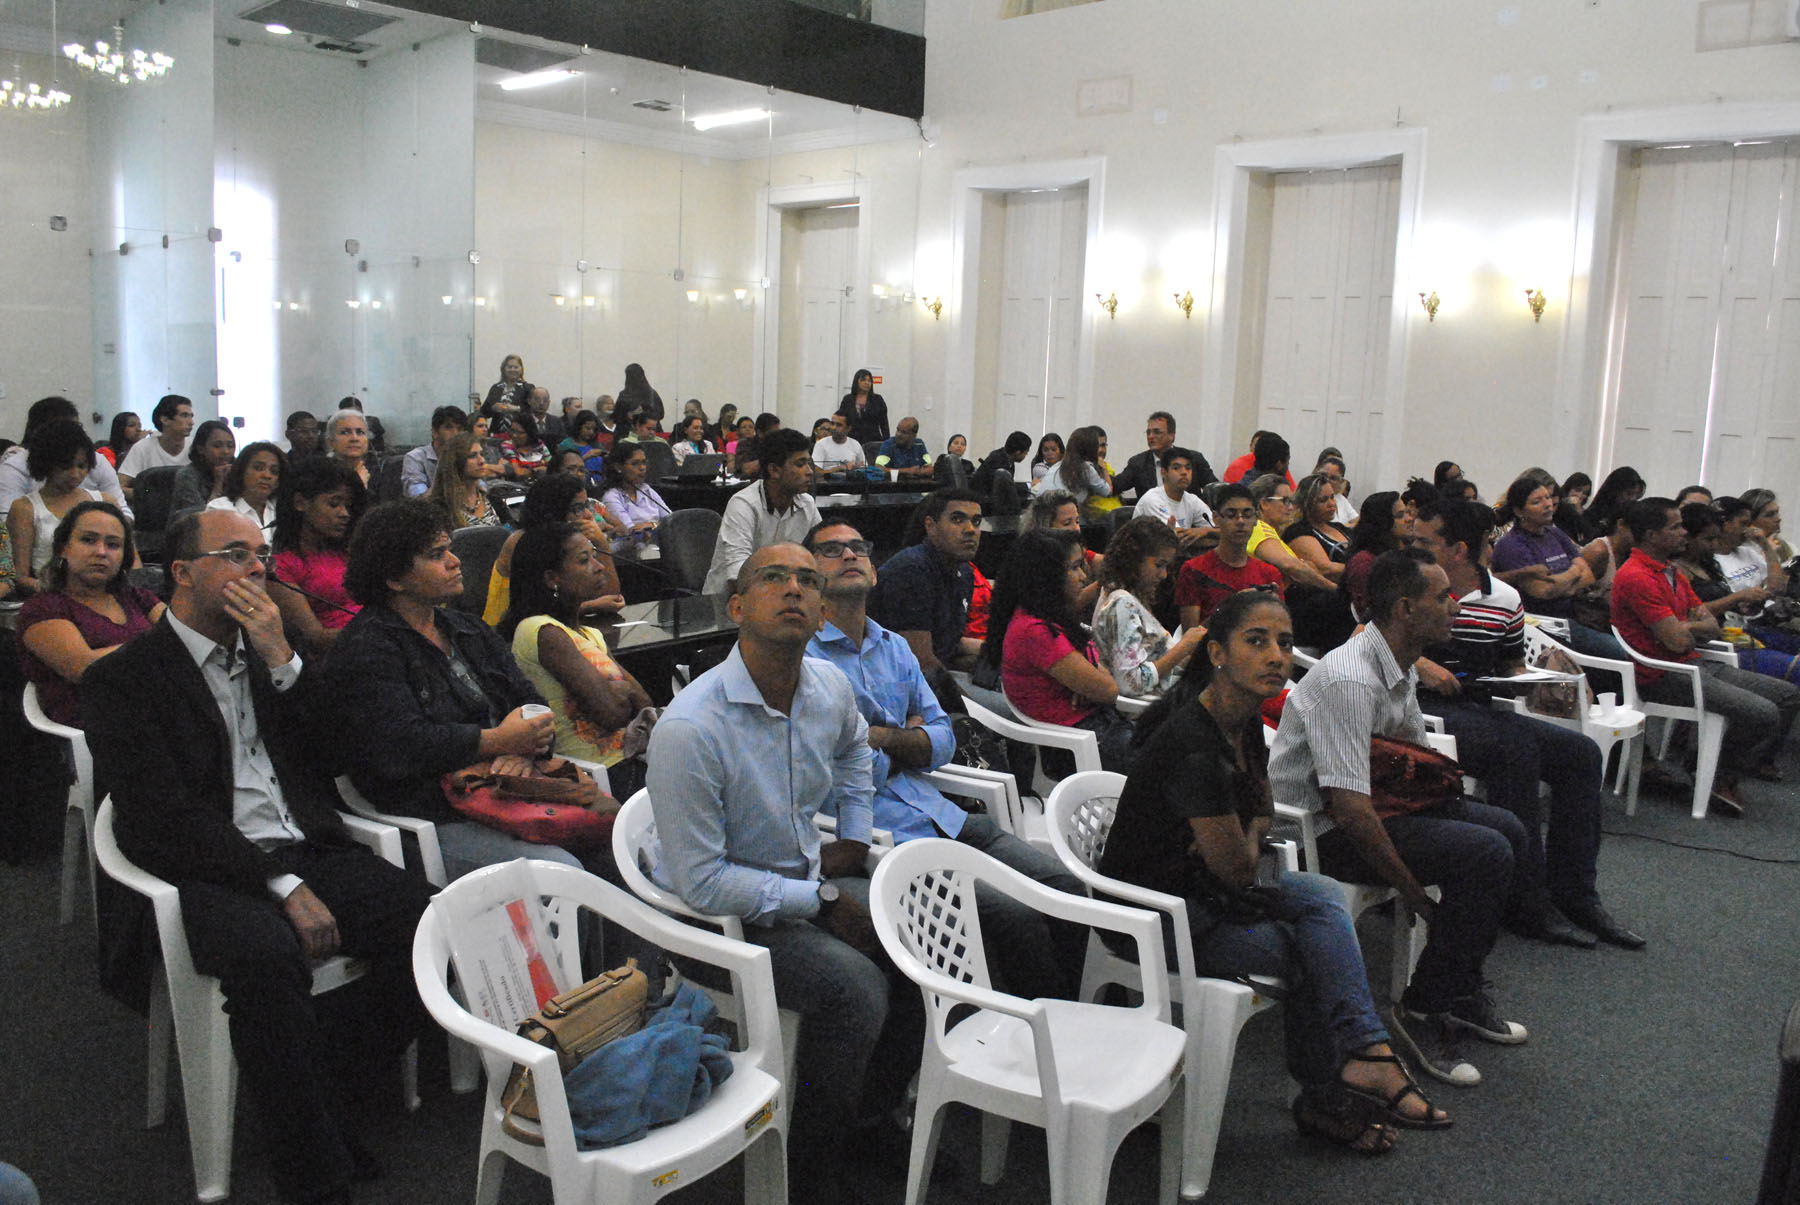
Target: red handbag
558, 806
1406, 778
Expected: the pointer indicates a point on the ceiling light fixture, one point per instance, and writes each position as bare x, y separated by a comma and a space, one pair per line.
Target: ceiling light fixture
278, 29
110, 60
735, 117
537, 79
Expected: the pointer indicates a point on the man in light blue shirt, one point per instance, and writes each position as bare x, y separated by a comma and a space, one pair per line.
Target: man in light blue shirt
419, 468
910, 735
739, 765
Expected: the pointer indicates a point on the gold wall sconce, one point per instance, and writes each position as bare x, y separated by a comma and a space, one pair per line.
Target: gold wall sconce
1185, 303
1109, 303
1535, 299
935, 305
1431, 305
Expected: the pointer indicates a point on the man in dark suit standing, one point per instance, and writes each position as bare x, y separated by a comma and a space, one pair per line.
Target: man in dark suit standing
198, 728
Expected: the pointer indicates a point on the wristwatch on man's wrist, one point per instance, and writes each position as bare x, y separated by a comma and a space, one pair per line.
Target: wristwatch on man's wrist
828, 898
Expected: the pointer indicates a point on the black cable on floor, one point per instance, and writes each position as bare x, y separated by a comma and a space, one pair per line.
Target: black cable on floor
1705, 849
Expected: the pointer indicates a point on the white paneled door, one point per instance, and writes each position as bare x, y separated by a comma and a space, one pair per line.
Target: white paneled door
1040, 311
1330, 301
1706, 360
826, 266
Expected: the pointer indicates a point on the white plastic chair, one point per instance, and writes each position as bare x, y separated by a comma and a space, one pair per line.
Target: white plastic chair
1088, 1074
1606, 729
1081, 744
747, 1114
190, 1007
1213, 1011
1711, 726
78, 819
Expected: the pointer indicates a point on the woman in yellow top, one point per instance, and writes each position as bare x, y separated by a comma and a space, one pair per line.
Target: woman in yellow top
557, 498
555, 567
1321, 612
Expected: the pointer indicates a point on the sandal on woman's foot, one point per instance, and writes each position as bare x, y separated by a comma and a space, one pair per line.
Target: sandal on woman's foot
1336, 1118
1390, 1105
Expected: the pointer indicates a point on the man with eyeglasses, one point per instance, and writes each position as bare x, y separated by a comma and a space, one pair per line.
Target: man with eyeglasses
1212, 577
1143, 472
741, 763
910, 736
222, 797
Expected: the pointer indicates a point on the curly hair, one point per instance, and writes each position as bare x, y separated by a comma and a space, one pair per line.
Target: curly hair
385, 544
1136, 541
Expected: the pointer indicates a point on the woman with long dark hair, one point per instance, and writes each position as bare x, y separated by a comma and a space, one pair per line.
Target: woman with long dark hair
556, 569
637, 397
60, 455
1049, 454
251, 485
312, 532
558, 498
127, 429
864, 409
1049, 666
1622, 487
523, 450
1386, 524
690, 438
456, 490
1080, 471
1191, 821
1134, 646
210, 453
630, 499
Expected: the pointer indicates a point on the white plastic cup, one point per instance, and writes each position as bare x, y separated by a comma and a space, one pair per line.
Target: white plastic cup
532, 711
893, 474
1605, 703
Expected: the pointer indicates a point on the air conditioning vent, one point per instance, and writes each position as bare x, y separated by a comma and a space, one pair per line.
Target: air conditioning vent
356, 48
515, 56
655, 106
330, 21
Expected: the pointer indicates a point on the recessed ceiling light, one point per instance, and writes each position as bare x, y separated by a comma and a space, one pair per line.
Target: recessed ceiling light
735, 117
537, 79
280, 30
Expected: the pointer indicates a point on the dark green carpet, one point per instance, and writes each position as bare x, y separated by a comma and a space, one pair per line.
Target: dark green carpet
1648, 1077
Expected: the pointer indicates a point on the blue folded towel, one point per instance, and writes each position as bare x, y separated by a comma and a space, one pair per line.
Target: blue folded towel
655, 1076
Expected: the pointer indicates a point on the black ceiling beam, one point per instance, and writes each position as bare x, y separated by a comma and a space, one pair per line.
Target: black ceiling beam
790, 45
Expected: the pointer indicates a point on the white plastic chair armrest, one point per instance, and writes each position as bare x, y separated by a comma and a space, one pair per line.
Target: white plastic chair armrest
384, 839
1131, 707
1720, 651
963, 783
38, 719
431, 854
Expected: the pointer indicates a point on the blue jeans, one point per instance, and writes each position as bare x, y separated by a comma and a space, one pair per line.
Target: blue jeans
468, 846
1511, 754
1468, 850
1329, 1012
1034, 955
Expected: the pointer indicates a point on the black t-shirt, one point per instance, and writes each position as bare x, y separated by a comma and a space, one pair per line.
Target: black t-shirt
920, 590
1184, 771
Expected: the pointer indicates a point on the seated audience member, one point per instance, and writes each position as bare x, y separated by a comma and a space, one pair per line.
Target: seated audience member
1314, 535
821, 429
126, 430
16, 480
419, 468
1272, 456
1134, 646
724, 431
1660, 616
1446, 472
1057, 510
925, 589
743, 430
1593, 606
61, 456
585, 441
1144, 472
1174, 503
302, 433
1765, 518
837, 454
457, 491
549, 426
1321, 614
1618, 490
1572, 495
1748, 556
86, 609
210, 454
377, 436
737, 838
1692, 493
556, 499
953, 467
251, 485
571, 465
1386, 524
1234, 472
1049, 455
1577, 487
1511, 753
1698, 562
556, 566
312, 529
1212, 577
523, 453
775, 510
420, 690
1080, 472
994, 480
910, 736
507, 396
864, 408
1418, 492
231, 804
1191, 822
1331, 468
905, 452
347, 439
1538, 559
690, 438
173, 418
639, 426
631, 500
1049, 667
604, 407
1321, 760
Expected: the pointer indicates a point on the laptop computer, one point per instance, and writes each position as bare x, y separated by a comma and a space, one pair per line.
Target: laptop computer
700, 464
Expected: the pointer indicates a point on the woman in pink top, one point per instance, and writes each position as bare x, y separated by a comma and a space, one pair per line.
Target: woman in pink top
1049, 667
312, 530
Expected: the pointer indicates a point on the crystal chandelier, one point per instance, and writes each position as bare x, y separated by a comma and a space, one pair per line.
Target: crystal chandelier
110, 60
20, 94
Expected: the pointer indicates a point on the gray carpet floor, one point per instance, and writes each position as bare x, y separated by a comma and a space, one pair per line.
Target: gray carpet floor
1648, 1077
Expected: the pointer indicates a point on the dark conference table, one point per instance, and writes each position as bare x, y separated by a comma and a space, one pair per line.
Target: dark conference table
651, 638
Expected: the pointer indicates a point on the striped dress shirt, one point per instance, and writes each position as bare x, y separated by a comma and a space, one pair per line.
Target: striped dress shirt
1355, 692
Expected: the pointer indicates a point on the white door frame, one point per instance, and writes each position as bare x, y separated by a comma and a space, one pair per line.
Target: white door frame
1233, 165
771, 203
966, 189
1586, 393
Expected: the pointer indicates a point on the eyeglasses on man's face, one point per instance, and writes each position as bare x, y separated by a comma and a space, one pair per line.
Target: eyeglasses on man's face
780, 575
831, 550
242, 557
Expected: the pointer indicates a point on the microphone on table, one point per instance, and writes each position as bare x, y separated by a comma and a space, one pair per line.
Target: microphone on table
269, 576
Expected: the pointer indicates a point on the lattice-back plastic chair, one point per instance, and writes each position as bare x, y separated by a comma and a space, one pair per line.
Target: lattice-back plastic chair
1087, 1074
1710, 725
1623, 724
1213, 1011
190, 1007
1079, 743
746, 1115
78, 817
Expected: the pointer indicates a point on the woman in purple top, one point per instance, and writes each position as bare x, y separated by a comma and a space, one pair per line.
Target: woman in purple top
87, 610
631, 501
1538, 559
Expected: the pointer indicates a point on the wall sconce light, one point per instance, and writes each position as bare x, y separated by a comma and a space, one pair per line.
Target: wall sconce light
742, 297
588, 301
1431, 305
354, 304
935, 305
447, 299
1535, 299
693, 296
1109, 303
481, 303
558, 300
1185, 303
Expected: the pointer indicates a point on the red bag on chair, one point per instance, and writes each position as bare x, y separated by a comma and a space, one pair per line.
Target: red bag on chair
561, 806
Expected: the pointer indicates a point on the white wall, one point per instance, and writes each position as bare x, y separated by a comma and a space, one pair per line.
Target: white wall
1497, 194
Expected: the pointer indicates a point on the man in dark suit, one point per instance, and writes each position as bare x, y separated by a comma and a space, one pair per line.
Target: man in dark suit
198, 728
1143, 472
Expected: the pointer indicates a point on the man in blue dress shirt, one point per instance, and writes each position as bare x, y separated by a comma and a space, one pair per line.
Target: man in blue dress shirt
910, 736
740, 764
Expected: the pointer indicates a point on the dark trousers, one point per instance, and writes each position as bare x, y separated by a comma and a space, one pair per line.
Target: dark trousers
1511, 754
1759, 711
284, 1062
1466, 849
1034, 955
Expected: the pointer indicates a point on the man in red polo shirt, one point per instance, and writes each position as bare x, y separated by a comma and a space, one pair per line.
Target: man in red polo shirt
1660, 616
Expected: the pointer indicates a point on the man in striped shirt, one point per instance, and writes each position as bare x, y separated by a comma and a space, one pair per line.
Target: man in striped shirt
1511, 753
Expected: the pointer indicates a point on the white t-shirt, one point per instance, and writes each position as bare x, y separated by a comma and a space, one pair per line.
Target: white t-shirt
147, 453
830, 455
1346, 514
1189, 512
1745, 566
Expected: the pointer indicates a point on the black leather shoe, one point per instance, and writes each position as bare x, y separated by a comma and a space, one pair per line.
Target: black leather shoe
1550, 926
1598, 921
